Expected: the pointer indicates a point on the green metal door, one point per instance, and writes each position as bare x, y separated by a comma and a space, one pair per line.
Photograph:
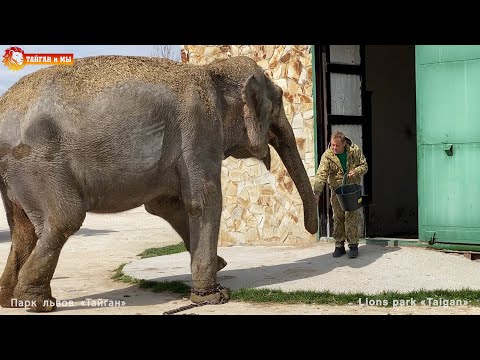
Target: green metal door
448, 143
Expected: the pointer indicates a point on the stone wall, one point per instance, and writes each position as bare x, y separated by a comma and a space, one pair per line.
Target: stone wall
262, 207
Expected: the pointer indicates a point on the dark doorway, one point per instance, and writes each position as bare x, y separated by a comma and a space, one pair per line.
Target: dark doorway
390, 77
342, 104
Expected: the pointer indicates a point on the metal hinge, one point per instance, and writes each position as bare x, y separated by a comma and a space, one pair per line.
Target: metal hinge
448, 149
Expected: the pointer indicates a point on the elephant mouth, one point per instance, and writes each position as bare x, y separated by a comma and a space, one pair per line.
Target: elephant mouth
261, 152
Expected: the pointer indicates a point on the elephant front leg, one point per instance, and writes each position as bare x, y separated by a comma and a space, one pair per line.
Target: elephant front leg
203, 201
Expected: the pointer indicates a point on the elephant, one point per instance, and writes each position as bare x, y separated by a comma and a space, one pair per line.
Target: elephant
112, 133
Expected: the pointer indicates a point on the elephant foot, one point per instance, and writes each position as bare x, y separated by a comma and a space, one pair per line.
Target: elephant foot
36, 298
218, 295
6, 298
221, 263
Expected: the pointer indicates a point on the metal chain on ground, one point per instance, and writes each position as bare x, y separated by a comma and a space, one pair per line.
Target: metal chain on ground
215, 290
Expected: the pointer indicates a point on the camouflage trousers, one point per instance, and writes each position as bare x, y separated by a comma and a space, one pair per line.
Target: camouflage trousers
347, 225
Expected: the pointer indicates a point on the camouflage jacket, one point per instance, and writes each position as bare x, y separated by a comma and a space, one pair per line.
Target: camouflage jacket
330, 170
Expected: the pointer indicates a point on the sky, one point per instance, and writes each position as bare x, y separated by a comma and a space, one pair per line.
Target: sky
9, 77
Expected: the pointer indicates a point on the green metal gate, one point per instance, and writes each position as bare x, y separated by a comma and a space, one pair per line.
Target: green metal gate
448, 145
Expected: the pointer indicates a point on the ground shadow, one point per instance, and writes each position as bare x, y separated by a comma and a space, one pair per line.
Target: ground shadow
4, 236
131, 295
92, 232
261, 275
286, 272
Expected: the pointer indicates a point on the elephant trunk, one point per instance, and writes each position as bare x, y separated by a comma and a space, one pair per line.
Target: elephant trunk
283, 140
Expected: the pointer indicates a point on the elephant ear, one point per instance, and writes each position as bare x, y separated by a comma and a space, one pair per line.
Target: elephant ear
254, 94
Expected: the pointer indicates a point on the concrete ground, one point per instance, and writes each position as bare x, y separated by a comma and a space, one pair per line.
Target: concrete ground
377, 269
82, 282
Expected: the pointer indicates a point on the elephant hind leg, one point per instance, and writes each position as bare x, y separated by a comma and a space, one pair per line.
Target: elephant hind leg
24, 240
55, 218
173, 210
59, 223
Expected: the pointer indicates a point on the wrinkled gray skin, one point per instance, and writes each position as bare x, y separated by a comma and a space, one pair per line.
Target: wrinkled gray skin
65, 151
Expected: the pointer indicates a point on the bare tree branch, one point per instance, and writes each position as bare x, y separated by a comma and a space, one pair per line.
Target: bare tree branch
165, 51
